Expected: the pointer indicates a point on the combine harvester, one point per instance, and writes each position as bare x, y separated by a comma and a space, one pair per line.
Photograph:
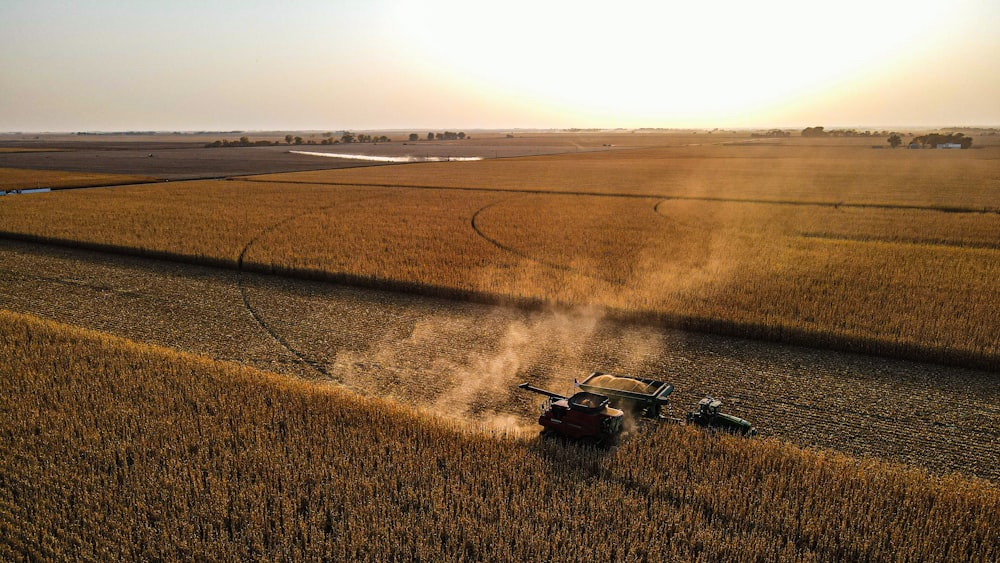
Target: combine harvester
586, 417
596, 414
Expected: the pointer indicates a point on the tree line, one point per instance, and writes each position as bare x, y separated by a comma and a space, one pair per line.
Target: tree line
445, 136
328, 139
822, 132
935, 139
894, 139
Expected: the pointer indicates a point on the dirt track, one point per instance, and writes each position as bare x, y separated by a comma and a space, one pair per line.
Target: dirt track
466, 359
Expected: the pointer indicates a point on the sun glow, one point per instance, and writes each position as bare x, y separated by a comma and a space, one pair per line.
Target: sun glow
677, 63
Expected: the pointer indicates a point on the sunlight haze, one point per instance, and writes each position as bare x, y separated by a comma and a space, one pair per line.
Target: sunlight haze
350, 65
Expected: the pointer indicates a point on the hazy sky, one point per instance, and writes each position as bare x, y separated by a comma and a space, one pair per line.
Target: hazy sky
327, 65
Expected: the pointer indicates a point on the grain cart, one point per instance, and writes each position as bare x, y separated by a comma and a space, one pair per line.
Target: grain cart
585, 416
640, 397
708, 416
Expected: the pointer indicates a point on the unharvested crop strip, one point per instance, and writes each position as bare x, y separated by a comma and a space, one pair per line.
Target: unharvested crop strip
900, 206
523, 255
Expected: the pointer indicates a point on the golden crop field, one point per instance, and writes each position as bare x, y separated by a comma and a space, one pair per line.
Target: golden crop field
795, 173
465, 360
23, 179
111, 449
879, 251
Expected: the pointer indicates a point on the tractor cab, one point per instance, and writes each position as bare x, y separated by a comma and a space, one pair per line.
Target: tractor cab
709, 407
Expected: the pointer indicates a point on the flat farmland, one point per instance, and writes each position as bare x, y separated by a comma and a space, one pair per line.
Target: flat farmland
891, 253
185, 157
464, 360
170, 162
791, 172
21, 179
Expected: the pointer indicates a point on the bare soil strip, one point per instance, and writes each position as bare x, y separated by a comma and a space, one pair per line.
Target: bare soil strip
465, 359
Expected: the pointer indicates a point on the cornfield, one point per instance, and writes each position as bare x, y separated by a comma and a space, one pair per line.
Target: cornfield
111, 449
21, 179
884, 252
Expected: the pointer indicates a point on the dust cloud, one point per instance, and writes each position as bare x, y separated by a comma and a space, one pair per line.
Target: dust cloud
468, 368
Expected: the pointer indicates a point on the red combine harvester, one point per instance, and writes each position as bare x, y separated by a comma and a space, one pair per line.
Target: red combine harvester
595, 414
585, 416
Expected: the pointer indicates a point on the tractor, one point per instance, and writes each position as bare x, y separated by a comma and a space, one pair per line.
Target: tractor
708, 416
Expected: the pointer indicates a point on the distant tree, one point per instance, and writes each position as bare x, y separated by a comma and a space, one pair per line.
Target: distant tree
439, 136
414, 136
244, 140
934, 139
288, 139
430, 136
895, 140
461, 135
814, 132
298, 140
347, 137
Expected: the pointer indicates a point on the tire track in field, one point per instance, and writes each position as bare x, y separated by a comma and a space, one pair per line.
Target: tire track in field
240, 281
562, 267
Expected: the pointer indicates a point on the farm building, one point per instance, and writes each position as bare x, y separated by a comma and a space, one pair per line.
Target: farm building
949, 146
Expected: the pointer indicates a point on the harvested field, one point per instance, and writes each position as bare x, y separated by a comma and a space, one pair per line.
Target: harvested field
172, 163
465, 359
184, 157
